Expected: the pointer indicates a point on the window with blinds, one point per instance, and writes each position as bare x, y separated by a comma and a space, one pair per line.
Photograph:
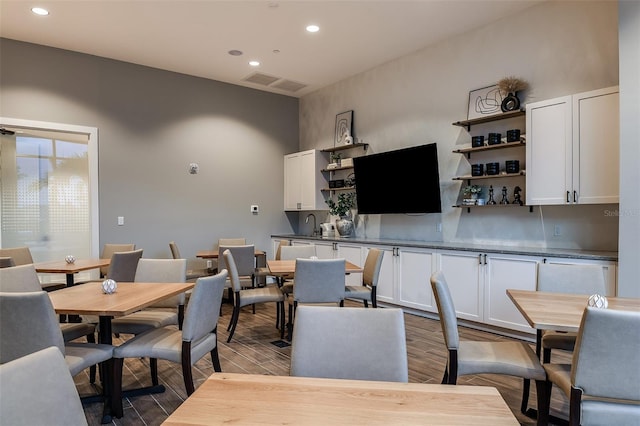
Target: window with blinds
46, 200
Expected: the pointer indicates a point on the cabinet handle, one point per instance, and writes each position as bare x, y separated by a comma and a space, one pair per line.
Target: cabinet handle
568, 201
299, 206
485, 258
480, 259
575, 196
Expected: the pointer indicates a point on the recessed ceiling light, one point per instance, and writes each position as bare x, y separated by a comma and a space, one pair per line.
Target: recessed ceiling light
235, 52
254, 63
313, 28
40, 11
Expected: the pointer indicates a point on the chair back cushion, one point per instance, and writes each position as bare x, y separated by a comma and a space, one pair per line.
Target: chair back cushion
163, 271
294, 252
21, 278
319, 280
231, 242
244, 257
446, 310
20, 255
605, 359
573, 279
279, 249
175, 253
372, 266
108, 250
203, 311
349, 343
232, 270
38, 390
123, 265
29, 324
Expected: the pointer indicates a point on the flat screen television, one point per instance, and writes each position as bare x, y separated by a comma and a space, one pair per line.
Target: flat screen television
401, 181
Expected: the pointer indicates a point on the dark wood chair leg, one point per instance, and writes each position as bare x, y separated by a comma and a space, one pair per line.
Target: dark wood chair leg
526, 389
366, 304
574, 406
153, 364
91, 338
280, 307
234, 322
186, 368
374, 297
215, 360
453, 367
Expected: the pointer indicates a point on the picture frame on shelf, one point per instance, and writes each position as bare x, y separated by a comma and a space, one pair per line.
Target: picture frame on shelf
485, 102
344, 128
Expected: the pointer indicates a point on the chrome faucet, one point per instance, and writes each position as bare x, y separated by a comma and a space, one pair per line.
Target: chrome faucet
315, 231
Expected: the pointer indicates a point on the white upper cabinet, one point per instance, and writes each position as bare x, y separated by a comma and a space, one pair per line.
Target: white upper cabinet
573, 149
303, 181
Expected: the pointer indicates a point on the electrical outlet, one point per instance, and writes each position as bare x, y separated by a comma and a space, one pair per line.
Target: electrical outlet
557, 231
439, 227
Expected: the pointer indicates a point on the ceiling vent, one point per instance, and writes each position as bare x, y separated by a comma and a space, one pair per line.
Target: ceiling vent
262, 79
289, 86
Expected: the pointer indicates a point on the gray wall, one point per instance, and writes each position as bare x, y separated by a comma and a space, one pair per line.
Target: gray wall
151, 125
560, 48
629, 245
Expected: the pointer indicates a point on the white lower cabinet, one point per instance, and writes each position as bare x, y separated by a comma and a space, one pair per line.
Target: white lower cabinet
335, 250
609, 269
464, 274
502, 272
404, 277
478, 283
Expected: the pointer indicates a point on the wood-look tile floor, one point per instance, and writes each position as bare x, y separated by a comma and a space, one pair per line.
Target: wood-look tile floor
252, 351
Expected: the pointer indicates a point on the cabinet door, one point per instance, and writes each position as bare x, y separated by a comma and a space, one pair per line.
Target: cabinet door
353, 254
414, 269
292, 171
549, 152
386, 281
503, 272
308, 179
596, 141
325, 250
463, 272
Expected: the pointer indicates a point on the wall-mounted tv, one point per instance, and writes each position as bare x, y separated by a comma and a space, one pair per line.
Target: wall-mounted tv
401, 181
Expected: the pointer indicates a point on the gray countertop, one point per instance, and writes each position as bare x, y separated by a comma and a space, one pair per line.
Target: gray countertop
488, 248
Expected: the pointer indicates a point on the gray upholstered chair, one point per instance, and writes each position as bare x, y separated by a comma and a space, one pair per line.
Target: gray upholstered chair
250, 296
123, 265
107, 251
289, 252
367, 291
24, 278
39, 390
349, 343
318, 281
22, 256
602, 381
264, 270
565, 278
196, 268
473, 357
562, 278
169, 311
29, 324
197, 338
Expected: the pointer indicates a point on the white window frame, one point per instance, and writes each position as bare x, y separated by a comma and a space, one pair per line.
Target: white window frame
92, 134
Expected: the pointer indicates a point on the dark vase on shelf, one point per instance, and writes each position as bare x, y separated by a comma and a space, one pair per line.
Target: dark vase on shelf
510, 103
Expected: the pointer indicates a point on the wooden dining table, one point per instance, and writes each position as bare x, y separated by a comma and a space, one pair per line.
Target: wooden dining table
89, 299
560, 311
70, 269
250, 399
214, 254
288, 267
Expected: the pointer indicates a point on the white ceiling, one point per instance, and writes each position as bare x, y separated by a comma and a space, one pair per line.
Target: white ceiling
193, 37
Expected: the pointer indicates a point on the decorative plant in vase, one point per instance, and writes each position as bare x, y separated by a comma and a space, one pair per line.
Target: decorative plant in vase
471, 193
510, 86
342, 209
